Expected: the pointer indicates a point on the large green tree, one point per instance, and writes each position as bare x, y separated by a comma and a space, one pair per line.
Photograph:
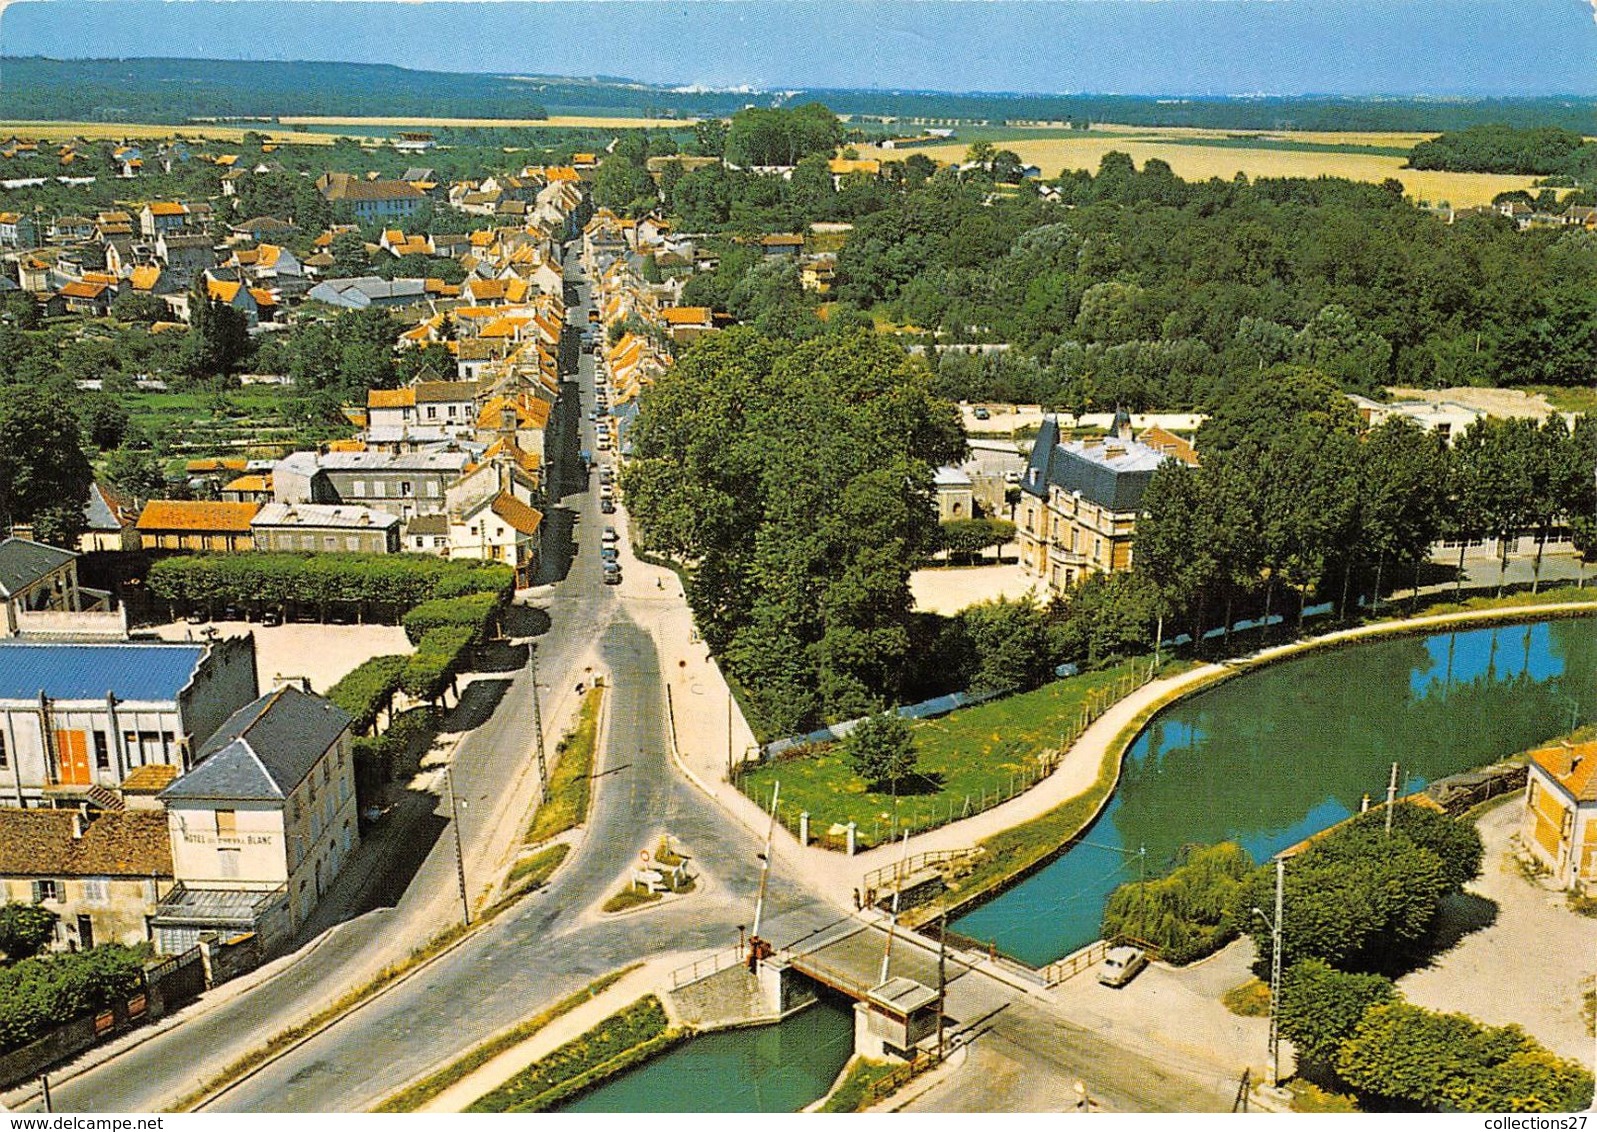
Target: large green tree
44, 475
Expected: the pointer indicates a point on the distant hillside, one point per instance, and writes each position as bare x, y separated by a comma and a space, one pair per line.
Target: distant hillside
174, 90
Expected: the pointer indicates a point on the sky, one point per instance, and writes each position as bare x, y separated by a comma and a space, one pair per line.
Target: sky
1151, 47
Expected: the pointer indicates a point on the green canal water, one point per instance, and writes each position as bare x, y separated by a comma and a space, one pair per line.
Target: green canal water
777, 1068
1269, 758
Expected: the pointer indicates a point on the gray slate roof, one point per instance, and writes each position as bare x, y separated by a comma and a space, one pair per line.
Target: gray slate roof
264, 750
1112, 473
23, 563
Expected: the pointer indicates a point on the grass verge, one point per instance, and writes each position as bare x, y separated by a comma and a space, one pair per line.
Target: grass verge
1008, 856
853, 1092
630, 897
968, 761
412, 1097
622, 1040
1249, 1000
570, 786
533, 871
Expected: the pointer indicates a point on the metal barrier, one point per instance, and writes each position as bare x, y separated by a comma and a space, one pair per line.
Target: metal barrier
704, 968
892, 874
1075, 963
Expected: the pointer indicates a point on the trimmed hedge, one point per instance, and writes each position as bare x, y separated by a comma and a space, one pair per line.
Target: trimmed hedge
369, 688
39, 994
476, 612
400, 581
438, 659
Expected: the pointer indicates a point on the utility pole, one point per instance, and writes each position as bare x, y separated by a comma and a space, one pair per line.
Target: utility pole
537, 725
1391, 799
1275, 974
942, 978
1276, 940
460, 853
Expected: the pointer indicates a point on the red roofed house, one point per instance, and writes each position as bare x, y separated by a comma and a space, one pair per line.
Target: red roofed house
1560, 825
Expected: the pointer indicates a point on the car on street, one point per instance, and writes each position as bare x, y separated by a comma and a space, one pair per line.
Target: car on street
981, 413
610, 535
608, 506
1121, 965
612, 578
609, 554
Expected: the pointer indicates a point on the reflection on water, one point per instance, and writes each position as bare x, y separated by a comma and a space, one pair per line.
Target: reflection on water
1269, 758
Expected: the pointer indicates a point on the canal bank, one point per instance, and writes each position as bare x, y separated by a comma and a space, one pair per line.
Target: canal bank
1269, 761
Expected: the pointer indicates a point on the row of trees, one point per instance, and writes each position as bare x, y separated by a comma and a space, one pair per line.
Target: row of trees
1537, 151
1293, 499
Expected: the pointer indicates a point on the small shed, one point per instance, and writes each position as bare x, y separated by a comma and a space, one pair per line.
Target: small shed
893, 1018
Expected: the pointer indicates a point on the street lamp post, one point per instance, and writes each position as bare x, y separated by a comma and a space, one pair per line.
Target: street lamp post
1275, 971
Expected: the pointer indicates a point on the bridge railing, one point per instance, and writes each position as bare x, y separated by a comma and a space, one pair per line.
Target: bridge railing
807, 964
707, 966
888, 875
1090, 956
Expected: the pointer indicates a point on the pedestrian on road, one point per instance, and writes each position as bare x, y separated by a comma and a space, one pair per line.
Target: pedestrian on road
856, 900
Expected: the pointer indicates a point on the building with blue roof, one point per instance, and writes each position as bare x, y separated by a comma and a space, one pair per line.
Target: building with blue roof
76, 718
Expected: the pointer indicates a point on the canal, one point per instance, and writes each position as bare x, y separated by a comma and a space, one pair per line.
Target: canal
778, 1068
1269, 758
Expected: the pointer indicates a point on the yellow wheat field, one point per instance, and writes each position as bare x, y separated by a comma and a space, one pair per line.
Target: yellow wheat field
1200, 162
144, 131
570, 121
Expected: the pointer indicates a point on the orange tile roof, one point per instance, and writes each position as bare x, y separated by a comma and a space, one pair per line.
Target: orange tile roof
686, 316
81, 290
390, 398
224, 289
1573, 766
263, 297
167, 208
525, 519
191, 515
346, 446
1162, 440
250, 483
145, 278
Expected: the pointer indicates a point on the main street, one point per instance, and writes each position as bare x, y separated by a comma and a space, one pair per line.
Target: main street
549, 944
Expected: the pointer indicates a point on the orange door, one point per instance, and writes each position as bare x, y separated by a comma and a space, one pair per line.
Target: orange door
72, 757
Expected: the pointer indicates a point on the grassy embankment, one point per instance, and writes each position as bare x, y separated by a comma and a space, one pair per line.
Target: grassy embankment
854, 1091
626, 1038
413, 1096
968, 761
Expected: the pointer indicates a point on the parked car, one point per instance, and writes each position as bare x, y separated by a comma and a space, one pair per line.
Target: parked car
609, 553
610, 535
612, 578
1121, 965
607, 506
272, 617
981, 413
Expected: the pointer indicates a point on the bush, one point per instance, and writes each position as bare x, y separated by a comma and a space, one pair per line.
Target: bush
1188, 914
368, 689
475, 611
1436, 1060
24, 930
39, 994
1321, 1006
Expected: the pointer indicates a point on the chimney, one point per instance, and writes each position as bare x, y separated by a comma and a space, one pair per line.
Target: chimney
80, 821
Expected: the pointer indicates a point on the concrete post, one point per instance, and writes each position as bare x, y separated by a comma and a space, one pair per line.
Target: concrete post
804, 828
851, 845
